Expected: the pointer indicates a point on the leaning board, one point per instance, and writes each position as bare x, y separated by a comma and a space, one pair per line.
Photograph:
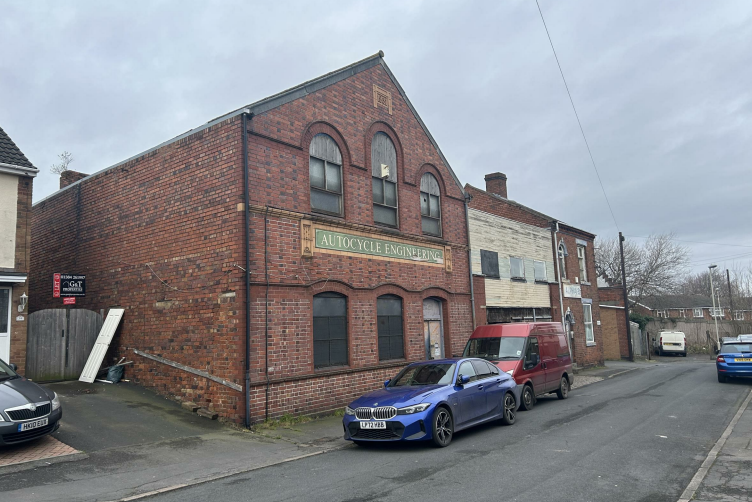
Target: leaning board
101, 345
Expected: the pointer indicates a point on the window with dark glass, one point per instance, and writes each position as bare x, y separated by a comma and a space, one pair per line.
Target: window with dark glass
562, 254
384, 181
391, 338
329, 330
489, 263
481, 369
466, 369
430, 207
325, 168
4, 308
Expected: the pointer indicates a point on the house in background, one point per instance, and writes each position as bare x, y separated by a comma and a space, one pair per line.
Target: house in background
691, 307
529, 266
16, 183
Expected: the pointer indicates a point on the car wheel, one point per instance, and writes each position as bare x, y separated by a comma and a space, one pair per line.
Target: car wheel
508, 412
684, 354
563, 391
528, 398
721, 378
443, 427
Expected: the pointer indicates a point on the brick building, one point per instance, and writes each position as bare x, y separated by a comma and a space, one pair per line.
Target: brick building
357, 251
16, 184
613, 323
695, 307
560, 282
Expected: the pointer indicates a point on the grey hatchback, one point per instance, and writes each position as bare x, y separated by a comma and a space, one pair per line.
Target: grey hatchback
27, 410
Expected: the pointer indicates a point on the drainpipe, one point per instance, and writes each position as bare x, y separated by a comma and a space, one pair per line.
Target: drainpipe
266, 310
470, 261
247, 272
561, 294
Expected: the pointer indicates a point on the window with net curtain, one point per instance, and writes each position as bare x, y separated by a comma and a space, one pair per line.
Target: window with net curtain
430, 205
329, 330
325, 168
383, 160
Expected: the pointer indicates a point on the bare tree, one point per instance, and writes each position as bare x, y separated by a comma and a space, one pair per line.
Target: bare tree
65, 159
655, 267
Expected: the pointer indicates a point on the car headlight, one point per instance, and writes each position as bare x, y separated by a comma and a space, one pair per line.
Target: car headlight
55, 402
409, 410
349, 411
509, 372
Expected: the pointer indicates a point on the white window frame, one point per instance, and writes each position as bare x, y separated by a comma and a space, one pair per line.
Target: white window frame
682, 313
535, 271
582, 260
717, 312
562, 262
739, 315
587, 313
661, 314
5, 336
695, 311
522, 263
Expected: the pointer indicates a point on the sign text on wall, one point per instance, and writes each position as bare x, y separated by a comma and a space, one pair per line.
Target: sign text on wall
336, 241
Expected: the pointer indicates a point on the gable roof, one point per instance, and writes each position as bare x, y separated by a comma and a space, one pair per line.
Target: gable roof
292, 94
512, 203
10, 153
661, 302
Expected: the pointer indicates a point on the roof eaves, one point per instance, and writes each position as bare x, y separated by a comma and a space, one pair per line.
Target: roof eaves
516, 204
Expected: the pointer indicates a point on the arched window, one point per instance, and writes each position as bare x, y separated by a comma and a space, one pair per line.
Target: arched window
329, 330
391, 338
384, 182
562, 254
430, 205
325, 167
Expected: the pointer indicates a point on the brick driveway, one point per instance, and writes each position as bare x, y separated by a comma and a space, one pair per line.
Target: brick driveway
41, 449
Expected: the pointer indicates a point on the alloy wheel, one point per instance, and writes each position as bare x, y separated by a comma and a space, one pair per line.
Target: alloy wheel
443, 427
509, 406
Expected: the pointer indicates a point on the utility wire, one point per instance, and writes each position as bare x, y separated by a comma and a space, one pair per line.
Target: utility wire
577, 115
696, 242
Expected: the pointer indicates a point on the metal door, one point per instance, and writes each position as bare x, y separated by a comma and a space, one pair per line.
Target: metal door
432, 329
5, 294
59, 342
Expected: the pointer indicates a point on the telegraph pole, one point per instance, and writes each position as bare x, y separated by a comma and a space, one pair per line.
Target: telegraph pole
731, 300
626, 299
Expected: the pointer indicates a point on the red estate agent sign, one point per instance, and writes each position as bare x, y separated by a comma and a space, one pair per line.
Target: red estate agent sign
56, 285
69, 301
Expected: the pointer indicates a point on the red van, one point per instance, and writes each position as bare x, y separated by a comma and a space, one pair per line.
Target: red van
536, 354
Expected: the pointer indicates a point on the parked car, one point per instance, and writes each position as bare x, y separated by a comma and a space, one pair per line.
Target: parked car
734, 360
431, 400
670, 342
27, 410
536, 354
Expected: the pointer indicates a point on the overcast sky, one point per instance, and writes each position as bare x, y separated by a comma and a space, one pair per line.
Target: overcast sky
663, 90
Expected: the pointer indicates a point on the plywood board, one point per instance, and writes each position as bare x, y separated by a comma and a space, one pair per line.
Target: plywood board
101, 345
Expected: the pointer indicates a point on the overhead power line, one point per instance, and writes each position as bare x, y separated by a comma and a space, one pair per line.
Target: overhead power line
696, 242
578, 116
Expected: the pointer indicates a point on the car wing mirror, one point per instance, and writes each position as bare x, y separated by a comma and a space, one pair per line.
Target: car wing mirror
462, 379
386, 384
13, 366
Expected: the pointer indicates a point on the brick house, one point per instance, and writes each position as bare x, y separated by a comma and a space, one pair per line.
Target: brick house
357, 251
16, 184
695, 307
568, 267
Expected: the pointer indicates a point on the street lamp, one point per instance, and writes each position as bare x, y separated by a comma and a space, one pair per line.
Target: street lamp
712, 295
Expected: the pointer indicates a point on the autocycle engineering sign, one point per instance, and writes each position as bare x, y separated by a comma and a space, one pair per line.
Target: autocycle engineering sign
336, 241
67, 285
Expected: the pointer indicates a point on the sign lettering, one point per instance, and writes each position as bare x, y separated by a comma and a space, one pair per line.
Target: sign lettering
68, 285
336, 241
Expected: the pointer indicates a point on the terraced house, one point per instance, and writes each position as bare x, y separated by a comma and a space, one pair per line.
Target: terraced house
286, 256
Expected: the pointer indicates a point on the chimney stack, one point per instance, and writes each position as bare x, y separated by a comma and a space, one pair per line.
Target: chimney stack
496, 183
70, 177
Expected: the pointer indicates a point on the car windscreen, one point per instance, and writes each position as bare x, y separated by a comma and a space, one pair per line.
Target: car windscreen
505, 348
5, 372
424, 374
735, 348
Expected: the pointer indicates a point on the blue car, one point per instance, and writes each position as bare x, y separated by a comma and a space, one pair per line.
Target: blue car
734, 359
431, 400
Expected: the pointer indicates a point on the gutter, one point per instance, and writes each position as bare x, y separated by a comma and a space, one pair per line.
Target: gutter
470, 260
246, 196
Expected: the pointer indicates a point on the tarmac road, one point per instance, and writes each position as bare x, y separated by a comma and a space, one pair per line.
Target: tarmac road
639, 436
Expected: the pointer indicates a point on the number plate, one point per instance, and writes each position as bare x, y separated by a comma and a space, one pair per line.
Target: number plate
27, 426
373, 425
743, 360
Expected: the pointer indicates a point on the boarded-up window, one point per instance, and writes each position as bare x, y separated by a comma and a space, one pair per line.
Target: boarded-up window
540, 271
489, 263
325, 168
516, 267
329, 330
391, 338
384, 182
430, 205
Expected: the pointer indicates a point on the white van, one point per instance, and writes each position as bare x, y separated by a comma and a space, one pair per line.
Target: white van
670, 342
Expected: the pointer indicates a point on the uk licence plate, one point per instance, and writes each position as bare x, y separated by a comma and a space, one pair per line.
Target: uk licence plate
27, 426
743, 360
373, 425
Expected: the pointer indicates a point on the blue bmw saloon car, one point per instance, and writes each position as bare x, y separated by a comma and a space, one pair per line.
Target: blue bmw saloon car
431, 400
735, 359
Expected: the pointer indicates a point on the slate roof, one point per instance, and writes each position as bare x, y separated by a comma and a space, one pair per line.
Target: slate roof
677, 302
10, 153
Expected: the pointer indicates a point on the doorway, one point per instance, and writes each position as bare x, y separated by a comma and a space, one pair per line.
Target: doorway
5, 324
433, 328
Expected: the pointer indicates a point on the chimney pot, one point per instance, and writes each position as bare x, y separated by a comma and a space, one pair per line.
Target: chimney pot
496, 183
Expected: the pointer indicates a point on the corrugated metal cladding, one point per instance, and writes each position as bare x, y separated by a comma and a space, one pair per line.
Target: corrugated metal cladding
101, 345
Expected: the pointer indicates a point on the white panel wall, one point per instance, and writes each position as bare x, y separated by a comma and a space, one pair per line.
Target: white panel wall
511, 238
8, 207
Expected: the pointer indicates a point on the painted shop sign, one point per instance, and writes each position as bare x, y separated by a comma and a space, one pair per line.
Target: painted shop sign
336, 241
572, 291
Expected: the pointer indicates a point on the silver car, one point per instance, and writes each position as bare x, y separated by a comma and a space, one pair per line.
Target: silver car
27, 410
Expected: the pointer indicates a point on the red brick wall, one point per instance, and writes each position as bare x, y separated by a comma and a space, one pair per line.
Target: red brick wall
23, 243
616, 294
483, 201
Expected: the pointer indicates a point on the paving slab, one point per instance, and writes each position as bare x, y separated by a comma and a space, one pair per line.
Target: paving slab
43, 451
